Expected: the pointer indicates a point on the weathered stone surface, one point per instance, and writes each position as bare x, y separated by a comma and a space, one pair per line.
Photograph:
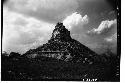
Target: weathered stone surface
62, 46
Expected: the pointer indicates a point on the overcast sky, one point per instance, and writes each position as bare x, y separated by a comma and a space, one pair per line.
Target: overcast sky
29, 23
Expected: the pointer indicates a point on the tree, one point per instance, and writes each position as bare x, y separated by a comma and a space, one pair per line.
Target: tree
14, 55
4, 55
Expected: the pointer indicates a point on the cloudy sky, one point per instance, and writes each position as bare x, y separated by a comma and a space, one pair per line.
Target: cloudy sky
29, 23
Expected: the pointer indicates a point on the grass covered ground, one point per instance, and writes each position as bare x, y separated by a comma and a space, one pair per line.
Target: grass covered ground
52, 69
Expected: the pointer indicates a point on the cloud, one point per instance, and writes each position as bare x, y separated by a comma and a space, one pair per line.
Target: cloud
21, 33
48, 10
75, 21
104, 27
112, 42
100, 39
112, 38
105, 36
